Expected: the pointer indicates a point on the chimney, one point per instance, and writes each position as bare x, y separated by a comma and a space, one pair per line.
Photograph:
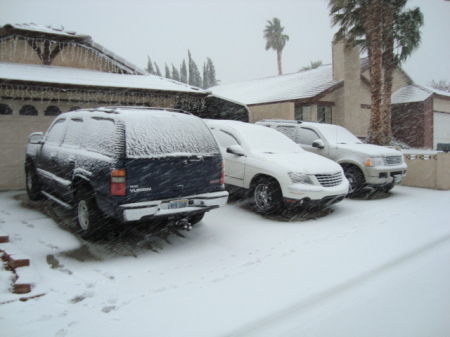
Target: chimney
346, 64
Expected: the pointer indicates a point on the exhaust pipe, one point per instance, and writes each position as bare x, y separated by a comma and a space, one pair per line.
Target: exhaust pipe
184, 223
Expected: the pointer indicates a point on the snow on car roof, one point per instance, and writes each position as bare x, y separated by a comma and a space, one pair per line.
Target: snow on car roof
85, 77
303, 84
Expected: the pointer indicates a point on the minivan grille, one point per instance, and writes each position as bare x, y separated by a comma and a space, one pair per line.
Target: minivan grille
329, 180
393, 160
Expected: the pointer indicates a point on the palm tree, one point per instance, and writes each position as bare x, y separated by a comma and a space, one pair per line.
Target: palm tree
379, 27
275, 39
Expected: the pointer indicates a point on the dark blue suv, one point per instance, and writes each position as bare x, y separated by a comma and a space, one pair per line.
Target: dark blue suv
129, 164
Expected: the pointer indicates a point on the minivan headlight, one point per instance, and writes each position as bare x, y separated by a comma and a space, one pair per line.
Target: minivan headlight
301, 178
374, 161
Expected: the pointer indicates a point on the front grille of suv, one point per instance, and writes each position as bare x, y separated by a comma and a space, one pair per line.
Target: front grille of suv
393, 160
329, 180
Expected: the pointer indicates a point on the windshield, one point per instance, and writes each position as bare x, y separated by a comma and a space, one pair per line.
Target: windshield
168, 135
262, 139
339, 135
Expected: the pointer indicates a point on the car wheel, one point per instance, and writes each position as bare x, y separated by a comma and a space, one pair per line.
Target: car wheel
356, 181
267, 196
386, 188
89, 217
32, 183
196, 218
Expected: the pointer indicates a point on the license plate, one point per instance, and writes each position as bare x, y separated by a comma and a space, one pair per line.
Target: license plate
178, 204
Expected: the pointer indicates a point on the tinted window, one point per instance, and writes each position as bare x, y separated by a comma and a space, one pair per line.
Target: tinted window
74, 134
56, 133
100, 135
290, 131
167, 135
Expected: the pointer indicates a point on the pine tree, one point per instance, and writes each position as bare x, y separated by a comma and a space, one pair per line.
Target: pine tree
211, 71
205, 76
157, 72
167, 72
183, 73
149, 68
175, 74
195, 78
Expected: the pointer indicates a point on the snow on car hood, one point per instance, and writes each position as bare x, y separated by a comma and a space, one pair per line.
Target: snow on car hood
303, 162
369, 149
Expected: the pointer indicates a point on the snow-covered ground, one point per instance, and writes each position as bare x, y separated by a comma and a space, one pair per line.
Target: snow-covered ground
368, 268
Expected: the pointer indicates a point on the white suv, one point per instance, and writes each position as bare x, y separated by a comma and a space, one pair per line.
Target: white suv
364, 165
276, 172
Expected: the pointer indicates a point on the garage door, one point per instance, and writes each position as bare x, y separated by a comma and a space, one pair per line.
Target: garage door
441, 126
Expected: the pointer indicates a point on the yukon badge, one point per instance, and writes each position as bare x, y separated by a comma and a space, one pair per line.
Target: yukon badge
136, 189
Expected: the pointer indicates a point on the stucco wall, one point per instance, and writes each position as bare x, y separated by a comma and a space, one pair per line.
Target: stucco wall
427, 170
277, 110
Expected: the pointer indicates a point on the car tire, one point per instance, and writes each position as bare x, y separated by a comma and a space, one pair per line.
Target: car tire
32, 183
267, 196
88, 215
356, 181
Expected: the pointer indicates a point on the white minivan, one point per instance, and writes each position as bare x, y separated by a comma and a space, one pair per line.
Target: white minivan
275, 171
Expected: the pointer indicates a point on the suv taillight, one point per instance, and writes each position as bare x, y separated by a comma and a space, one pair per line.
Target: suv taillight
222, 173
119, 182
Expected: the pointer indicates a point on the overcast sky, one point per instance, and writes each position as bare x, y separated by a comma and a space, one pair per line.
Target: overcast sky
230, 32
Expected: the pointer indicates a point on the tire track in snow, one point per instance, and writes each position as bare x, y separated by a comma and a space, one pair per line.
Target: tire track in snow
258, 327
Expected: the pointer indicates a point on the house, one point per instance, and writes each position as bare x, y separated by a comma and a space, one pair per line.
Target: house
45, 71
339, 93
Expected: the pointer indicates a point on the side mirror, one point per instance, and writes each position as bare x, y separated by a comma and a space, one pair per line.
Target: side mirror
236, 149
36, 138
318, 143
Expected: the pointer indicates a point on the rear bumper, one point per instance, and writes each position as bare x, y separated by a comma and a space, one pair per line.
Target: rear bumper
184, 206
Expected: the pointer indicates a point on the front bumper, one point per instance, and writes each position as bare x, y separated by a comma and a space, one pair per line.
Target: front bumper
302, 194
385, 175
183, 206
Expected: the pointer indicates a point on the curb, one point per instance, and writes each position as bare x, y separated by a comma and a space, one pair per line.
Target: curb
19, 264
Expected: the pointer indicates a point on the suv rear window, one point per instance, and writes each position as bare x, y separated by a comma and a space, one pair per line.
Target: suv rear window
171, 135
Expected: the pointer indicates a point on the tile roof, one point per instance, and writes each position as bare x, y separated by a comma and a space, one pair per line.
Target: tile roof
300, 85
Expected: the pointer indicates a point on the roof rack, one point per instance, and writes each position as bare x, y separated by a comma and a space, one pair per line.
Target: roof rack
290, 121
115, 109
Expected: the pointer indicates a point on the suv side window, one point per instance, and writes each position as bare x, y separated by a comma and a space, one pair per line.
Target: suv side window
100, 135
74, 134
56, 133
307, 136
290, 131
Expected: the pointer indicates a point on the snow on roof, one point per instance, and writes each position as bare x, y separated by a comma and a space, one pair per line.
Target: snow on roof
46, 29
303, 84
415, 93
85, 77
32, 30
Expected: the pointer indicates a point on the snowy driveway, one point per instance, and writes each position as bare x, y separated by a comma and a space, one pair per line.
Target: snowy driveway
369, 268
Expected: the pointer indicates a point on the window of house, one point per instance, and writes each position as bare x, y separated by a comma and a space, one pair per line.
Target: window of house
5, 109
28, 110
52, 110
324, 114
303, 112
